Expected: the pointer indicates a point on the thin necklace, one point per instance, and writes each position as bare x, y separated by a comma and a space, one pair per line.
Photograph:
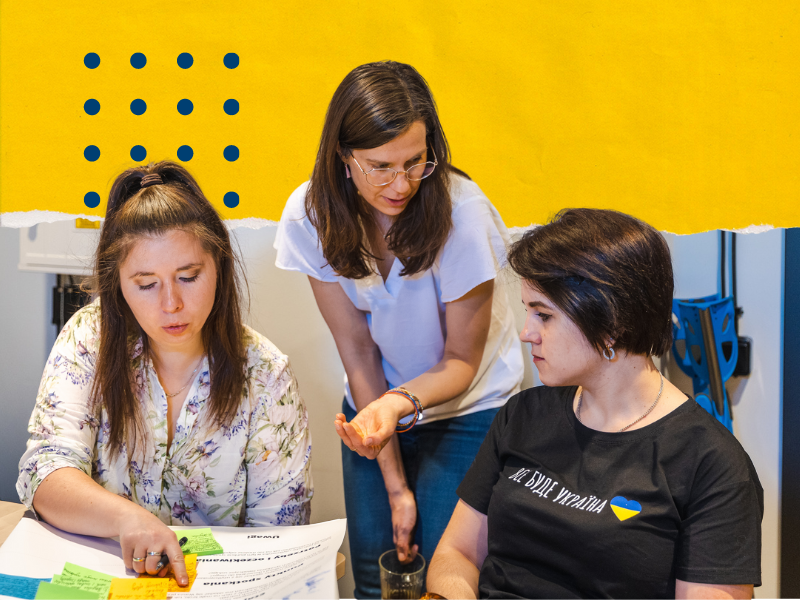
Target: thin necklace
191, 378
649, 410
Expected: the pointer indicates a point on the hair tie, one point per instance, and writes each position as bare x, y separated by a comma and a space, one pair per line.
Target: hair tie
151, 179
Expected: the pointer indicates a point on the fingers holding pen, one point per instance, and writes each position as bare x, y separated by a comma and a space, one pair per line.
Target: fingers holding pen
174, 554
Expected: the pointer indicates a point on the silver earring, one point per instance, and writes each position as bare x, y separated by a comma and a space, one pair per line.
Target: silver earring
609, 353
347, 171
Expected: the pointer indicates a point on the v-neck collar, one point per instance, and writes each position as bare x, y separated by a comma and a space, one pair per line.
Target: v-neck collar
189, 411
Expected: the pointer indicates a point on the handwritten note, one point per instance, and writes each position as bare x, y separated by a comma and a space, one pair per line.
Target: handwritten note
73, 570
53, 591
19, 587
76, 576
191, 571
93, 586
139, 589
200, 541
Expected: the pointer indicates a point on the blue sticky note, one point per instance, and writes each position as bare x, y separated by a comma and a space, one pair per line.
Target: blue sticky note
19, 587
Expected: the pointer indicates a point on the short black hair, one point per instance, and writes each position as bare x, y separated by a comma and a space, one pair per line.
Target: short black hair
609, 272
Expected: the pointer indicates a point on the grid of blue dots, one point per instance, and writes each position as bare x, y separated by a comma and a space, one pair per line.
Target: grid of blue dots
139, 107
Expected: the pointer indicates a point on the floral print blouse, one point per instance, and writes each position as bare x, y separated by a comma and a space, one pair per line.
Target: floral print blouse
256, 472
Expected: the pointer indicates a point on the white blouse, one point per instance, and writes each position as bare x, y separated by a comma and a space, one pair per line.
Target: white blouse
406, 315
255, 472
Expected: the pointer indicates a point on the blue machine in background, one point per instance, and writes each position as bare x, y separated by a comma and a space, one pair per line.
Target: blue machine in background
705, 328
706, 342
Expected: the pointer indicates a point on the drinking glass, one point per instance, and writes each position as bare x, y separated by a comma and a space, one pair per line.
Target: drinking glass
400, 580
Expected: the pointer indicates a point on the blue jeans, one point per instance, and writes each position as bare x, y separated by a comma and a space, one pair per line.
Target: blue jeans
436, 457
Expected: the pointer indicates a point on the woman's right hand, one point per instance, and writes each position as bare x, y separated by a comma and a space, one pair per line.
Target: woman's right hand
141, 532
404, 518
373, 426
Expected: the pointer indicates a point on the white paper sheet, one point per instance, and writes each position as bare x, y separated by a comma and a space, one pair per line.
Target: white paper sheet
258, 562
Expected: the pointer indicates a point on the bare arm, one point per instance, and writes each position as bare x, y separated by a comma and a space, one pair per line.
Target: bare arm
72, 501
468, 320
685, 589
362, 363
455, 566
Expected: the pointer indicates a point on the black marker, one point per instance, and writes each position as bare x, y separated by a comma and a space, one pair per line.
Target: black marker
165, 559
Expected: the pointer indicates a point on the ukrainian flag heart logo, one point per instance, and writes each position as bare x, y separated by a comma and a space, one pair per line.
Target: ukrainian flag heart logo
625, 509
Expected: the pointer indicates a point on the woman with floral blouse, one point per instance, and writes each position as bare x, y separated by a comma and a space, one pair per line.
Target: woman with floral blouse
157, 405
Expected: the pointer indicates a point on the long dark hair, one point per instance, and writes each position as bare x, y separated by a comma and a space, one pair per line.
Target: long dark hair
374, 104
609, 272
134, 212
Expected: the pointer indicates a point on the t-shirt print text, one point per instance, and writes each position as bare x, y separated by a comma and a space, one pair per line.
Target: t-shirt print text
542, 485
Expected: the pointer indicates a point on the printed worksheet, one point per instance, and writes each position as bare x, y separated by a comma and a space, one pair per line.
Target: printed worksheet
257, 562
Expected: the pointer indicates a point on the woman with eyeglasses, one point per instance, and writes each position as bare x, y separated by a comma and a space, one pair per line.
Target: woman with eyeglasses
402, 250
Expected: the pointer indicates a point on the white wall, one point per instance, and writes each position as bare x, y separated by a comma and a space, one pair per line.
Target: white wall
26, 337
756, 400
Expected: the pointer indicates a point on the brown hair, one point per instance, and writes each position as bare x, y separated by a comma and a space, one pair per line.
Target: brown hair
374, 104
132, 213
609, 272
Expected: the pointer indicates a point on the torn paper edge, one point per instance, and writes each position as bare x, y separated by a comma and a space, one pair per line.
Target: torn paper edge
34, 217
517, 231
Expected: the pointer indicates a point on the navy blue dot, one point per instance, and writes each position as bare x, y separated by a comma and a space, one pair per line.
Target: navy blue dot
138, 106
92, 107
185, 153
138, 60
185, 107
138, 153
185, 60
91, 153
92, 199
231, 106
231, 60
91, 60
231, 199
231, 153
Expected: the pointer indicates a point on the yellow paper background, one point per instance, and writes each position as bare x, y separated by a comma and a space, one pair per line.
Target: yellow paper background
684, 113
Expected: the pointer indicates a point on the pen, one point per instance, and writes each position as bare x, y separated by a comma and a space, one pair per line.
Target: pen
165, 559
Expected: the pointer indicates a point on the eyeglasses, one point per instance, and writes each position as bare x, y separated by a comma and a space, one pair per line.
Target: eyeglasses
381, 177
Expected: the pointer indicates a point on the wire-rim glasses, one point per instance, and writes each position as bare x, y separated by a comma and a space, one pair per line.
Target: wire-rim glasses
382, 177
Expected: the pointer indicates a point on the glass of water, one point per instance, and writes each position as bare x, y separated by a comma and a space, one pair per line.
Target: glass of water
400, 580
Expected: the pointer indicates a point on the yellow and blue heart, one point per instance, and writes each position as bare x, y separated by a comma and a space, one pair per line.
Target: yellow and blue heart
625, 509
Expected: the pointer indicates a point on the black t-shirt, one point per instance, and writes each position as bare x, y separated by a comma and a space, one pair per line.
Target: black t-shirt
574, 512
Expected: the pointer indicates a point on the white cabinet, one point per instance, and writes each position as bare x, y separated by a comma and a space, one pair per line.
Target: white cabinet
65, 247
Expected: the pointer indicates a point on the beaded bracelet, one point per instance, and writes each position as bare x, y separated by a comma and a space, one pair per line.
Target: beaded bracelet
400, 391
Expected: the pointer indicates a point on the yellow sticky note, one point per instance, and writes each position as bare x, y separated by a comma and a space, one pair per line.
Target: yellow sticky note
172, 583
191, 571
191, 562
139, 589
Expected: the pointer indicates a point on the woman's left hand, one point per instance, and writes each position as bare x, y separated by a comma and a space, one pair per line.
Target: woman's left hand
373, 426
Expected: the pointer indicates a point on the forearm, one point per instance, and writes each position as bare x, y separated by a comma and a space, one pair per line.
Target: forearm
367, 383
452, 575
70, 500
451, 377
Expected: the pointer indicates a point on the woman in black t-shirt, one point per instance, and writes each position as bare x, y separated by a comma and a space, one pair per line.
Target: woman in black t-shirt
607, 481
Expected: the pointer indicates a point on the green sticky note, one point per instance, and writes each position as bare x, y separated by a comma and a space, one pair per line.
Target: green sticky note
53, 591
98, 587
78, 571
200, 541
